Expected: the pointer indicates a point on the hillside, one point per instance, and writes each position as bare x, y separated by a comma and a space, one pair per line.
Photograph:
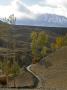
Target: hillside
22, 35
55, 76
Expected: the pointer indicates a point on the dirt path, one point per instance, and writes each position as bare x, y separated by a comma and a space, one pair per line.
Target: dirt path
40, 80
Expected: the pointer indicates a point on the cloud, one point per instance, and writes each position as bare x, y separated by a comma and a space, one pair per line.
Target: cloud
50, 6
6, 10
16, 7
55, 3
23, 10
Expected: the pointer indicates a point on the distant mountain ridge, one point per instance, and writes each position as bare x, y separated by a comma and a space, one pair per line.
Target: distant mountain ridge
49, 20
46, 20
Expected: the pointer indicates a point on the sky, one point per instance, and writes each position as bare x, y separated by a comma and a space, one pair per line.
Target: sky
31, 8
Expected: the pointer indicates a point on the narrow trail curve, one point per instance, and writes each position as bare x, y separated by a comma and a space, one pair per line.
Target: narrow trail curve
40, 81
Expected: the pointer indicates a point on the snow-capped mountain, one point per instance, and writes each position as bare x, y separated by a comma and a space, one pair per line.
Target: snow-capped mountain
50, 20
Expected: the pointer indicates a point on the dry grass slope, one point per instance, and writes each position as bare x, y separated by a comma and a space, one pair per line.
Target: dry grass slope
54, 76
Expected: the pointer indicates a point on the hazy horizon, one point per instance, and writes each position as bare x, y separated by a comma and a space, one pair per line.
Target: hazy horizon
28, 10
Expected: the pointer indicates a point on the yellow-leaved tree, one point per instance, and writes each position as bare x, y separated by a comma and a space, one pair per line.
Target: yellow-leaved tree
39, 41
59, 42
